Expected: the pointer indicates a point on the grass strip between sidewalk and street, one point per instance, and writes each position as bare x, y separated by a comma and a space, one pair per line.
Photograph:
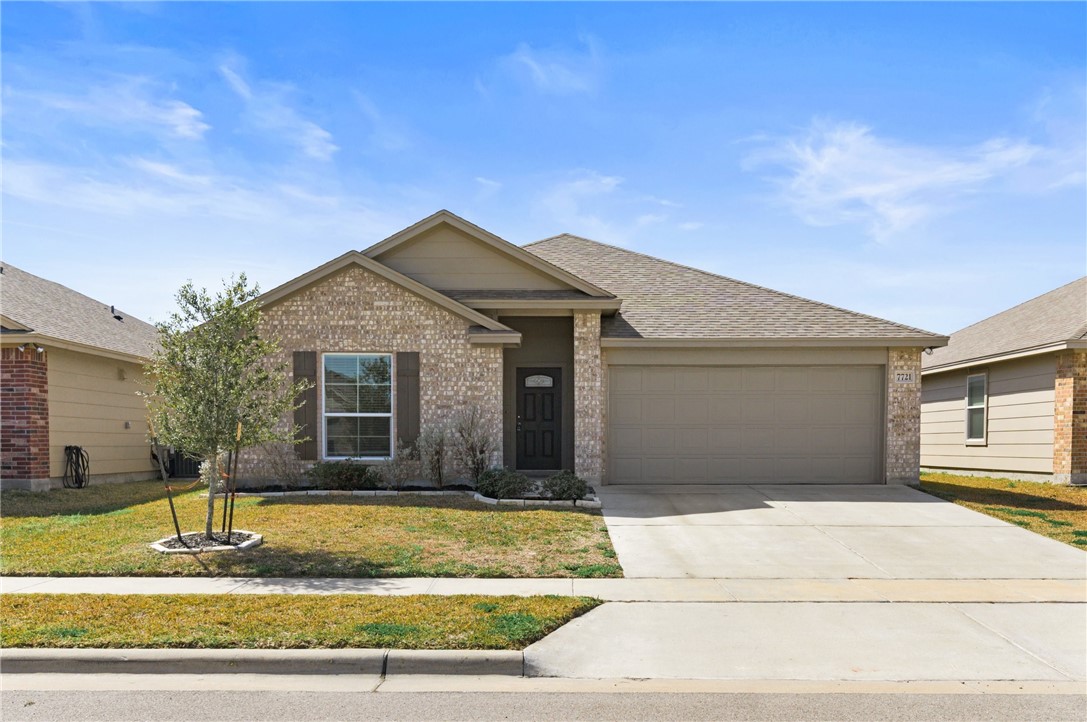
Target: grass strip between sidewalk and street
1053, 510
105, 530
276, 621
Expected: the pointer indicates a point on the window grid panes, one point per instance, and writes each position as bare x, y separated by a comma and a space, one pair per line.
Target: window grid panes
358, 405
975, 407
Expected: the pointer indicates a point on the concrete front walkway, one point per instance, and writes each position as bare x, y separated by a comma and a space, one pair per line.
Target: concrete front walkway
617, 590
821, 532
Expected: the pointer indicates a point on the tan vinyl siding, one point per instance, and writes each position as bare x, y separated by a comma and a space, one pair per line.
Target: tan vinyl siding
449, 260
1019, 413
89, 404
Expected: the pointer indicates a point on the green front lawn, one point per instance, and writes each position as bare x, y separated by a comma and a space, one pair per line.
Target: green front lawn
104, 530
1052, 510
275, 621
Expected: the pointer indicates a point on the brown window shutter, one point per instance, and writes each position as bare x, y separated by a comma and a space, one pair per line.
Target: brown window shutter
407, 397
305, 417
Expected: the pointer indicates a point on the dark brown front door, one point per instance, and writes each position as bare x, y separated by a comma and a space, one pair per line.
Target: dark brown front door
539, 418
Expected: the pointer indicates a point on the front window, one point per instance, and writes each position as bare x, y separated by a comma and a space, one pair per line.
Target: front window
358, 406
976, 396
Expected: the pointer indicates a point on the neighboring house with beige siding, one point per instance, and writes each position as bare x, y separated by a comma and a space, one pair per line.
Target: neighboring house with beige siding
1008, 395
621, 367
70, 367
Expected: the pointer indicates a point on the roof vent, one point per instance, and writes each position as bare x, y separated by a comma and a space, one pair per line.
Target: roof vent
113, 312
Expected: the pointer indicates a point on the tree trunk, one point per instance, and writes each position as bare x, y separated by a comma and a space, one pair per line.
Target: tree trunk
210, 520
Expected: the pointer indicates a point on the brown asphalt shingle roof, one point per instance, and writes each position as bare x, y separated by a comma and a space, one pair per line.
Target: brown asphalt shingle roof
1055, 317
56, 311
662, 299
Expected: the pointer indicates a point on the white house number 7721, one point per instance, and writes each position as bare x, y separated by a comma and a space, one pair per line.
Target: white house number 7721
903, 377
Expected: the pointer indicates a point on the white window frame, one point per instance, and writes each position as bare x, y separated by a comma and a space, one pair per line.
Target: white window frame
983, 440
389, 415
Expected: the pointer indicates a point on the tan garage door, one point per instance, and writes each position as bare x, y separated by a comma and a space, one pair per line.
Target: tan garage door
745, 424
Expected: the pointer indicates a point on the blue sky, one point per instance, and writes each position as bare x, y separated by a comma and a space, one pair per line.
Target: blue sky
923, 162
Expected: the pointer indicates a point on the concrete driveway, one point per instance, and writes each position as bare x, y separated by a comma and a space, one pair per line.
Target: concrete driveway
820, 532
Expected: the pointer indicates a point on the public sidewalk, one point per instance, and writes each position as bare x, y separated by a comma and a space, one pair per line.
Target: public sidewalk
613, 590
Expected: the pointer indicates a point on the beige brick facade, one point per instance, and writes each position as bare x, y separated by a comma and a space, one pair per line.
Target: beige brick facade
589, 397
356, 311
1070, 418
903, 441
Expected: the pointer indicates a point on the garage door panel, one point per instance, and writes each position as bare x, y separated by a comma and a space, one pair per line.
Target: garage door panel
659, 440
725, 379
724, 410
757, 439
757, 409
626, 410
759, 379
827, 380
792, 379
655, 380
692, 410
693, 440
792, 440
692, 380
659, 410
662, 469
627, 439
792, 410
625, 379
746, 424
691, 470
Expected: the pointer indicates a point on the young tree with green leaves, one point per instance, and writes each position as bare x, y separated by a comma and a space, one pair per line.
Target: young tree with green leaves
213, 370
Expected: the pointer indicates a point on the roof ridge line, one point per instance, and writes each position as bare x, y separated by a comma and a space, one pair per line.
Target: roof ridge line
1024, 303
736, 280
69, 289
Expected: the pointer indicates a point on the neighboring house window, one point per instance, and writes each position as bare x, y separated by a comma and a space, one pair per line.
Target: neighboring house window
976, 398
357, 405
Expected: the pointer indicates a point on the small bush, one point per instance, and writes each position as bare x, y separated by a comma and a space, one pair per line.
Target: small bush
566, 485
344, 476
471, 445
277, 464
503, 484
433, 445
401, 468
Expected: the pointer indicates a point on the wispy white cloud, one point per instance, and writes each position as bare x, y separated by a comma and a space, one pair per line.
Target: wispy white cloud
269, 110
838, 173
128, 102
691, 225
385, 134
558, 71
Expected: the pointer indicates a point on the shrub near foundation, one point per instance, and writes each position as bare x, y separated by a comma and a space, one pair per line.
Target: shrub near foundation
344, 476
503, 484
566, 486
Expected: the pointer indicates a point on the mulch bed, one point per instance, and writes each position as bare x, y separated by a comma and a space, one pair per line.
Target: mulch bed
197, 540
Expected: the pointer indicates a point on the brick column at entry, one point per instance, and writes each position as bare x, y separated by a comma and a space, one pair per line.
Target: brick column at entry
1070, 418
24, 418
588, 397
903, 440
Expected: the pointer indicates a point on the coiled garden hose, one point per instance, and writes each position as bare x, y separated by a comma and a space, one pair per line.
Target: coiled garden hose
77, 467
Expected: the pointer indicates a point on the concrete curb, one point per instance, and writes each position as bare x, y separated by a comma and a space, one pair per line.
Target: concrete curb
453, 661
378, 662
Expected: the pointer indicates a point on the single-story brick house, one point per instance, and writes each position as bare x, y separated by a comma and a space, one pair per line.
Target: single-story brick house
1008, 395
622, 367
69, 372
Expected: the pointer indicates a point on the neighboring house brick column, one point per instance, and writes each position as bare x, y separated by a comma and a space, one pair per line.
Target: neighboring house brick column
24, 419
588, 397
1070, 419
903, 442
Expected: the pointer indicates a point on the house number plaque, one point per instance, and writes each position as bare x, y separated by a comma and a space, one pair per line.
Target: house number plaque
904, 377
539, 381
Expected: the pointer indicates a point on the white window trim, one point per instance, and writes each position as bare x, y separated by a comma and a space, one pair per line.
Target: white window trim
984, 439
390, 415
